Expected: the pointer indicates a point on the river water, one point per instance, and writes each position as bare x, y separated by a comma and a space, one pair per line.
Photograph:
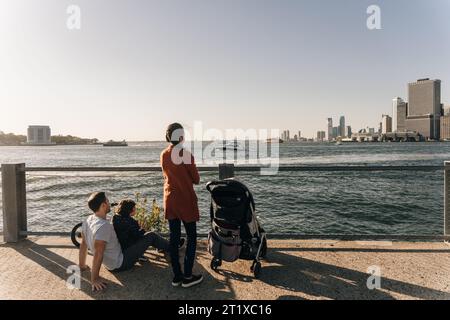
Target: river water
388, 202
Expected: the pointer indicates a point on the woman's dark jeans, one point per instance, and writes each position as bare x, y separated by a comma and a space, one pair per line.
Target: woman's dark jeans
191, 246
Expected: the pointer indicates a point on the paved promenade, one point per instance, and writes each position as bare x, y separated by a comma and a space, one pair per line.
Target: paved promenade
301, 269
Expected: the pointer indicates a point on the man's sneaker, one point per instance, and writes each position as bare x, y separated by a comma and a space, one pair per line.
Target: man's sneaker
192, 281
177, 280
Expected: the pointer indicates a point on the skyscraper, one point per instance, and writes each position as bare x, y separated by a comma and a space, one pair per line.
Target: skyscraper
396, 104
342, 126
330, 129
386, 124
424, 107
402, 112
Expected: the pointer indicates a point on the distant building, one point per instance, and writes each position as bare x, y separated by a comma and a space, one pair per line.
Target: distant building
299, 134
320, 136
422, 124
285, 135
386, 124
402, 113
424, 108
365, 135
446, 110
398, 106
335, 132
342, 126
348, 132
341, 130
330, 129
39, 135
445, 126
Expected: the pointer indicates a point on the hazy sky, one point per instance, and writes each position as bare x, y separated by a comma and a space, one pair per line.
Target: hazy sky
136, 66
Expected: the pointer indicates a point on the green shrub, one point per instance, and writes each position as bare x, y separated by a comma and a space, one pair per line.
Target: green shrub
150, 218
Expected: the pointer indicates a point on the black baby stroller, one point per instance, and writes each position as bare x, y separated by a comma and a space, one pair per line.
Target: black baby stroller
235, 231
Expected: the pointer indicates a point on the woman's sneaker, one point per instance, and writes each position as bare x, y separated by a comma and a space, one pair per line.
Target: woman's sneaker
177, 281
192, 281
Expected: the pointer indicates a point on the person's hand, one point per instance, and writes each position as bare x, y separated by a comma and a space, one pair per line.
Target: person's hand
84, 268
98, 285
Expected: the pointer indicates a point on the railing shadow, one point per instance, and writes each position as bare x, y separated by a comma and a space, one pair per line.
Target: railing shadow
378, 250
321, 280
149, 280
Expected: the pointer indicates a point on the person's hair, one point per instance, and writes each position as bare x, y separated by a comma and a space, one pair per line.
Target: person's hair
125, 207
169, 133
95, 200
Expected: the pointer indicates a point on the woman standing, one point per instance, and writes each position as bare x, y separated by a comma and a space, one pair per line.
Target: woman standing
180, 203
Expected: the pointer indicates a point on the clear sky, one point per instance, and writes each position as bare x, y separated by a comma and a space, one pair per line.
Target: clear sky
135, 66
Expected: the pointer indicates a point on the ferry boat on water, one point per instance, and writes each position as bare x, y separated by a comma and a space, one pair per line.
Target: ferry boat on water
231, 146
112, 143
274, 140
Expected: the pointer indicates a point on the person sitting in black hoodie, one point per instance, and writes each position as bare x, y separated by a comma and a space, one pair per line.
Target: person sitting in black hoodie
126, 227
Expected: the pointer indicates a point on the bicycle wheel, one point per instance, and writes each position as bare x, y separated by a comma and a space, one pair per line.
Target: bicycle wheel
75, 235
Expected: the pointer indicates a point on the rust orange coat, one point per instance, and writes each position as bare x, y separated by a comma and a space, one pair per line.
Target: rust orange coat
180, 200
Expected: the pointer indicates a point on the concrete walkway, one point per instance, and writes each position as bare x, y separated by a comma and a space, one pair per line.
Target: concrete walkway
314, 269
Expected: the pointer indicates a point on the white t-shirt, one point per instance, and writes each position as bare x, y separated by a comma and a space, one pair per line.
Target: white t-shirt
95, 228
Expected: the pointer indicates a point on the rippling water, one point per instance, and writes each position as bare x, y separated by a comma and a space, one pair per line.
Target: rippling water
300, 202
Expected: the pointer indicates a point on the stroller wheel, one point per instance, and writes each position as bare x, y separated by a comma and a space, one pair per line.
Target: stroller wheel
256, 269
215, 263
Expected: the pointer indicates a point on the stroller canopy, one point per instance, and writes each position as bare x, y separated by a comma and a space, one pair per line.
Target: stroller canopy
231, 201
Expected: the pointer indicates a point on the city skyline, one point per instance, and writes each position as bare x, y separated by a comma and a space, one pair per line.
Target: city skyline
389, 122
342, 130
257, 65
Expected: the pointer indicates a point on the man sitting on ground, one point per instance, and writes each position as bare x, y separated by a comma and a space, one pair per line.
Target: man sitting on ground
99, 237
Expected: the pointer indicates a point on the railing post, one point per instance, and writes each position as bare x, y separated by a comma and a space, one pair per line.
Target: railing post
14, 201
226, 170
446, 198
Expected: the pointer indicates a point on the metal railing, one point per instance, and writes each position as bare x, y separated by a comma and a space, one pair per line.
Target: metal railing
14, 185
